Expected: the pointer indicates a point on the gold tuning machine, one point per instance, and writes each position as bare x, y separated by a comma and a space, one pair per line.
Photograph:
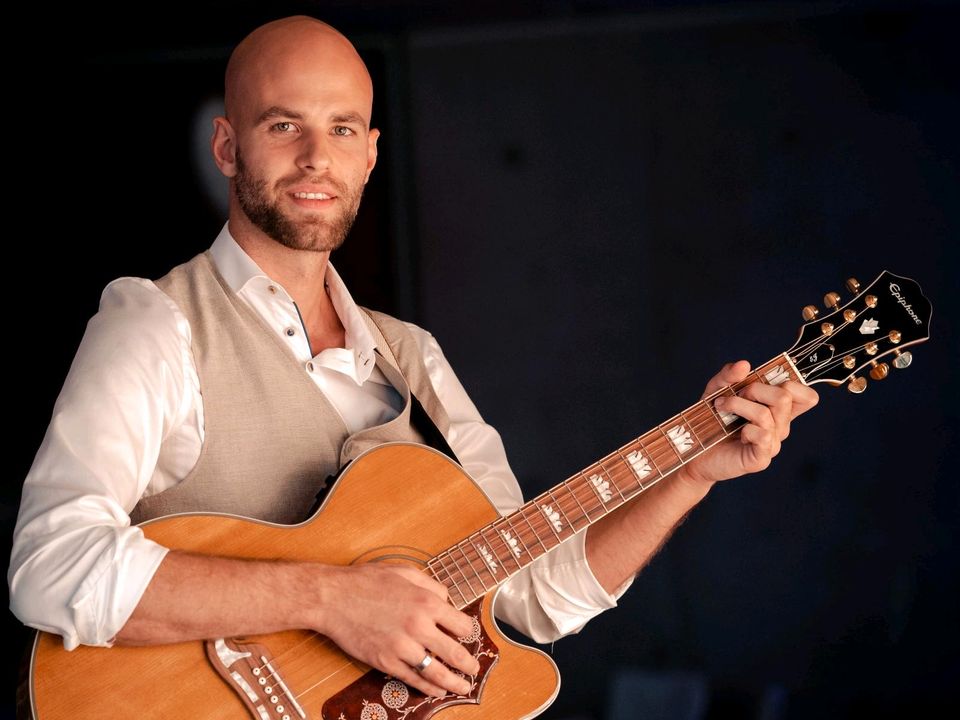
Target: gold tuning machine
857, 385
853, 285
902, 359
879, 370
831, 300
810, 312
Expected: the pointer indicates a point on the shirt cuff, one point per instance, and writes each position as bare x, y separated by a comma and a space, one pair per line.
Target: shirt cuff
112, 590
557, 595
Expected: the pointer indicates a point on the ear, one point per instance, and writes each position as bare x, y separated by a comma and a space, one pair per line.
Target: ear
223, 145
372, 137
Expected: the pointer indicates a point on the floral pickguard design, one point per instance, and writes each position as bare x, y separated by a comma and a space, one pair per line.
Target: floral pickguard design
376, 696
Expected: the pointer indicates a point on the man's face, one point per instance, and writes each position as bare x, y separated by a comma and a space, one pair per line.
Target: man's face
303, 149
264, 201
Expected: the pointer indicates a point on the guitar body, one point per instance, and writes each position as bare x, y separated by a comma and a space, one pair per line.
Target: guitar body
397, 503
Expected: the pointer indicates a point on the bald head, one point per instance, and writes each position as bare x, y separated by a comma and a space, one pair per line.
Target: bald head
289, 47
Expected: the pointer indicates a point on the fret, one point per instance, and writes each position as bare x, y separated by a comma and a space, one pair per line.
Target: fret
672, 446
572, 490
638, 463
455, 585
536, 535
651, 456
552, 517
600, 487
778, 374
611, 479
724, 419
509, 544
701, 418
491, 566
518, 535
556, 503
579, 517
579, 484
459, 546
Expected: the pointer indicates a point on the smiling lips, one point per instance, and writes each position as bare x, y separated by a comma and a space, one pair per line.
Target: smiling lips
312, 196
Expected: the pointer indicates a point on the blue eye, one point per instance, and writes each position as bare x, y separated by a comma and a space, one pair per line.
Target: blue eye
284, 127
342, 131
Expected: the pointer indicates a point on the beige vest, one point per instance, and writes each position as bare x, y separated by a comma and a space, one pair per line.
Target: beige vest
271, 437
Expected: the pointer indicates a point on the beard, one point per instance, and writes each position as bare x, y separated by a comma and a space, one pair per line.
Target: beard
314, 232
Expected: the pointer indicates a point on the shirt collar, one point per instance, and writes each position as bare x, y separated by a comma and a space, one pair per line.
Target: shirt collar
240, 270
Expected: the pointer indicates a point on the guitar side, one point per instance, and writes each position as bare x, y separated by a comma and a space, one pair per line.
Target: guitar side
397, 503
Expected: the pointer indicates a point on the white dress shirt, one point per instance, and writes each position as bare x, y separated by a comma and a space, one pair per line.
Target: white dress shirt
129, 423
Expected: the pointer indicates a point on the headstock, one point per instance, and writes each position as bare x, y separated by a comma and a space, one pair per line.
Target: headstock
882, 320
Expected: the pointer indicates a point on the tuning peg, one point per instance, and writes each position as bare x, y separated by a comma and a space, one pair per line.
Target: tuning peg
879, 370
902, 360
857, 385
853, 285
809, 312
831, 300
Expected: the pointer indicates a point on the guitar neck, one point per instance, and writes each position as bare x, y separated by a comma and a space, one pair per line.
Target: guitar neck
490, 556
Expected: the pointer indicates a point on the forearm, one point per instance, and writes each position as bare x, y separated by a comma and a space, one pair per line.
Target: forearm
196, 596
622, 543
383, 614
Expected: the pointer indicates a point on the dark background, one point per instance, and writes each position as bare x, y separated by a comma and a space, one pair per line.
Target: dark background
592, 205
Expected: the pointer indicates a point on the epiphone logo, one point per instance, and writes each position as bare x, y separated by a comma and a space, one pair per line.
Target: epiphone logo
895, 291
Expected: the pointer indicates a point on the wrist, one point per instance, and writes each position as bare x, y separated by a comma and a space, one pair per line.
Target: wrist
313, 589
693, 482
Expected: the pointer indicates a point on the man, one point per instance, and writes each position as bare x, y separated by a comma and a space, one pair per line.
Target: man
176, 381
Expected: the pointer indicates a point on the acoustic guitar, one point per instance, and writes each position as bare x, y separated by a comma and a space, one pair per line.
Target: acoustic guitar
407, 503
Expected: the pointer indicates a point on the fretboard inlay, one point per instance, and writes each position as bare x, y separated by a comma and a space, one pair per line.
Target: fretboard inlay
552, 516
602, 487
680, 437
640, 465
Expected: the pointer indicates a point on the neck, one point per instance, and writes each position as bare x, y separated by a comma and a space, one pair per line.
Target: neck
496, 552
302, 273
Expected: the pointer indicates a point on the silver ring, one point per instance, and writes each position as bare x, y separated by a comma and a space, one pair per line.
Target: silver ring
424, 664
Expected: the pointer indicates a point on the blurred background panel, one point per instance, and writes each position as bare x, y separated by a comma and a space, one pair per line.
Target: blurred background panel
593, 205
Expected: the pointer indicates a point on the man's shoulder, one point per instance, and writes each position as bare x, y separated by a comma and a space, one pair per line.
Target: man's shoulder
136, 306
395, 328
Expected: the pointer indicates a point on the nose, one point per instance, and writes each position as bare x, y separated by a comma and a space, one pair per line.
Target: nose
314, 152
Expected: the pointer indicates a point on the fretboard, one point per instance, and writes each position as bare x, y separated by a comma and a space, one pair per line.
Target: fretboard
490, 556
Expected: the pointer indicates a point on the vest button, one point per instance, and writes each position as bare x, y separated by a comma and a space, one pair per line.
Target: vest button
309, 367
272, 289
291, 332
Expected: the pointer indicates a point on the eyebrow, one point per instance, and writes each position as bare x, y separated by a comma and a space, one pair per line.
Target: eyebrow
277, 111
350, 117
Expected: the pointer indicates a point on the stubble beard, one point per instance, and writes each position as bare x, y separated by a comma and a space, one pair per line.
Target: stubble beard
314, 232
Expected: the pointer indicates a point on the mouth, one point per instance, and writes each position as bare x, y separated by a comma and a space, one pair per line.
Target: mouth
312, 196
313, 200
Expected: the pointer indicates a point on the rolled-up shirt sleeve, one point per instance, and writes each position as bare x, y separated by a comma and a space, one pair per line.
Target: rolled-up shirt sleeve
556, 594
77, 567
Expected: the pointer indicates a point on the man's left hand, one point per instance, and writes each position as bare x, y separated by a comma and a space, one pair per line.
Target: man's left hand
768, 410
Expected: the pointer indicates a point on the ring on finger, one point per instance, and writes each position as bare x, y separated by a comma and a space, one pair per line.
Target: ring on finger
423, 664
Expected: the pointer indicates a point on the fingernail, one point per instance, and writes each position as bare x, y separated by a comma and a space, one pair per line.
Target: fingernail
464, 688
721, 401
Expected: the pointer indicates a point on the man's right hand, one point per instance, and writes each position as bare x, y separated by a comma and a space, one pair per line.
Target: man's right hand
391, 616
